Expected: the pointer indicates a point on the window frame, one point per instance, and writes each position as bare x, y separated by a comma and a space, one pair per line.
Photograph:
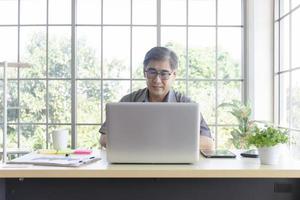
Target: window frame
280, 70
73, 80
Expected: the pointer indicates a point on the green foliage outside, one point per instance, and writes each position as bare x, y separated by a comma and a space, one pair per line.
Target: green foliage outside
33, 93
267, 137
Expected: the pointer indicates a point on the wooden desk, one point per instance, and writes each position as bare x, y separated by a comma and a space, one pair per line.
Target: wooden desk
223, 175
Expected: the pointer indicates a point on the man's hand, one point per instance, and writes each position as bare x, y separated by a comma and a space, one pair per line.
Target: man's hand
206, 143
103, 140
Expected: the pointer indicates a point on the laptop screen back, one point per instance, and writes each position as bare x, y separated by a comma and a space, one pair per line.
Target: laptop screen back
153, 132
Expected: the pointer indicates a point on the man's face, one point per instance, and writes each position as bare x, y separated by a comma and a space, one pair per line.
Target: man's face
159, 84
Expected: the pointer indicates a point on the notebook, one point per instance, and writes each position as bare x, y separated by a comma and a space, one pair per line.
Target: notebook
153, 132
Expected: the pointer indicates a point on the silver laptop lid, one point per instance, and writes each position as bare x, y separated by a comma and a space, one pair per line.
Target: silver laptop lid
153, 132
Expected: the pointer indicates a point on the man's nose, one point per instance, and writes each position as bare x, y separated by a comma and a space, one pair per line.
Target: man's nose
157, 78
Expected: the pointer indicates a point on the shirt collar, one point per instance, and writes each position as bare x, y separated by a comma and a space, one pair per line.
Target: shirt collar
169, 98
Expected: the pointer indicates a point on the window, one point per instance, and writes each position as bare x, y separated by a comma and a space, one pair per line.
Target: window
84, 55
287, 67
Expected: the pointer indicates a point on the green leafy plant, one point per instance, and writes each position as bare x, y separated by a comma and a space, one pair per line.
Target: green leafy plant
267, 137
245, 127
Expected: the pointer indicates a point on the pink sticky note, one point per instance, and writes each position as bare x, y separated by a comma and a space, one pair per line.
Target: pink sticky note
82, 151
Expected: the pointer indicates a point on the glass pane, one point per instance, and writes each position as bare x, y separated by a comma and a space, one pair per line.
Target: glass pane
9, 45
284, 7
144, 11
175, 39
1, 139
140, 47
295, 3
276, 99
179, 86
56, 127
295, 118
33, 11
202, 42
113, 91
230, 12
60, 11
116, 52
228, 91
116, 11
88, 101
137, 85
202, 12
284, 96
88, 137
59, 101
88, 52
284, 44
213, 133
224, 138
1, 103
32, 101
295, 146
276, 9
12, 101
276, 47
88, 12
59, 54
203, 92
33, 51
8, 12
295, 39
173, 12
12, 136
229, 53
33, 137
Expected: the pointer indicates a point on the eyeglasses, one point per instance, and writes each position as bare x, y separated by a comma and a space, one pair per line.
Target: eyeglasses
152, 73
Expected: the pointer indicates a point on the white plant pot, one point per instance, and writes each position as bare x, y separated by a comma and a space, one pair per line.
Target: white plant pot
270, 155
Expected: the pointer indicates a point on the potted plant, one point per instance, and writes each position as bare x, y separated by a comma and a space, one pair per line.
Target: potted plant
268, 141
242, 114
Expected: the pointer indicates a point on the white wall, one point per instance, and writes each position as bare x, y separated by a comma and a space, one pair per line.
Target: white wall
259, 57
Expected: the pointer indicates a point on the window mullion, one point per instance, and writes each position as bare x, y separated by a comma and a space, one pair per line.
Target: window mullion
216, 78
158, 26
73, 76
187, 50
47, 76
130, 59
18, 89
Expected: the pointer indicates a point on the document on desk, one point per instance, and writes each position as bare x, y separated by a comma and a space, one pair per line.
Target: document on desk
55, 160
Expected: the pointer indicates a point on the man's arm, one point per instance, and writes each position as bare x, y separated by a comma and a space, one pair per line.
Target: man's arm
206, 140
206, 143
103, 140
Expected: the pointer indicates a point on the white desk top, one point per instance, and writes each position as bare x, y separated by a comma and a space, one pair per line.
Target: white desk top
205, 168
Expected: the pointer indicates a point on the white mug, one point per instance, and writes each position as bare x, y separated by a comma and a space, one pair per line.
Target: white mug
60, 139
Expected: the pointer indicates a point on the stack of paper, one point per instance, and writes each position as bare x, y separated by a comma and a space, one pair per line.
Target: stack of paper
67, 160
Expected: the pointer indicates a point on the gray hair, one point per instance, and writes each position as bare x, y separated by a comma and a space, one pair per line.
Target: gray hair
160, 54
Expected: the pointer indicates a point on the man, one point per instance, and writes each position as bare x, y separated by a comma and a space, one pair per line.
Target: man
160, 67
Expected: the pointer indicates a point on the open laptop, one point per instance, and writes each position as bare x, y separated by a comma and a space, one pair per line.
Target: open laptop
153, 132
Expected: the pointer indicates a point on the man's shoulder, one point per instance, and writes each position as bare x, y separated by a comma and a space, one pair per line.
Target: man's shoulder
136, 96
180, 97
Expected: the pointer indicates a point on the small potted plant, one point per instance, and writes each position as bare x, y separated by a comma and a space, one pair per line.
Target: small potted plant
268, 141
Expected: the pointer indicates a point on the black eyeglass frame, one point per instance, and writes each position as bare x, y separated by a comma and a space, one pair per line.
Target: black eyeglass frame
158, 73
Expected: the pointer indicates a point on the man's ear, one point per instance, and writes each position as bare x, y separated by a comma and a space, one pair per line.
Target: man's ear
174, 73
144, 72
